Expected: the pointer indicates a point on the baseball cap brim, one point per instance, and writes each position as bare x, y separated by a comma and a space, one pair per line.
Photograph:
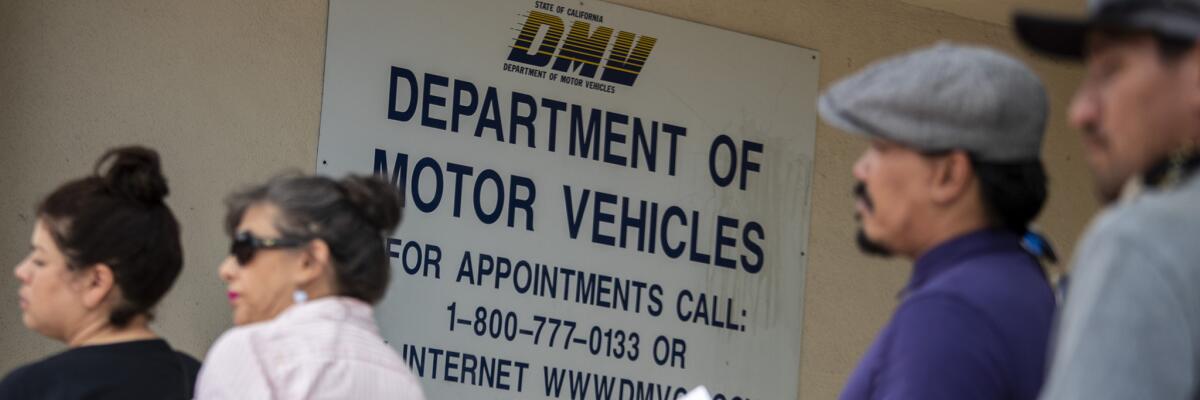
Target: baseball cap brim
1053, 35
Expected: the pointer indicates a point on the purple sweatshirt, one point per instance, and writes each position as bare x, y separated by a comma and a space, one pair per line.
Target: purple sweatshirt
973, 324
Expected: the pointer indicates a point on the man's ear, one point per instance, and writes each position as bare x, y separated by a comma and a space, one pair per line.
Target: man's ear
316, 260
95, 284
953, 176
1189, 64
1191, 60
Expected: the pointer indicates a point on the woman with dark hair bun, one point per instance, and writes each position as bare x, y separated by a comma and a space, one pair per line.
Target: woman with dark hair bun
306, 264
104, 250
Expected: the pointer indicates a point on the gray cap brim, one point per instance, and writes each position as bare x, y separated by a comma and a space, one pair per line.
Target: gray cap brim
842, 119
826, 106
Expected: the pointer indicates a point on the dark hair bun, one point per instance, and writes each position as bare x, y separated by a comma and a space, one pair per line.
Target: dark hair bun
135, 173
375, 199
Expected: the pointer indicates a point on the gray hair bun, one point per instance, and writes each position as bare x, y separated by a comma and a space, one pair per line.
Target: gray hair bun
376, 199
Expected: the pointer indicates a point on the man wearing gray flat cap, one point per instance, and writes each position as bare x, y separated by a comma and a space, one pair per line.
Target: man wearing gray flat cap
951, 179
1130, 325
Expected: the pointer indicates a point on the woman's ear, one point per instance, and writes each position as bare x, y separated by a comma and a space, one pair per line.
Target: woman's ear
316, 260
96, 283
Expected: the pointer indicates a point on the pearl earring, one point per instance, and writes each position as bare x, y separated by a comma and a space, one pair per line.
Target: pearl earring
299, 296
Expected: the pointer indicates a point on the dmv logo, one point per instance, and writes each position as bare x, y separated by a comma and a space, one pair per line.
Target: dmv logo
584, 49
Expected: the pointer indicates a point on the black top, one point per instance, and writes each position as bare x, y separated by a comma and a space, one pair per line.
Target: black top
142, 369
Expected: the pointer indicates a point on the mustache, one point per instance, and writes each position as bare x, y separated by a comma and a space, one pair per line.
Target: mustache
860, 193
1092, 131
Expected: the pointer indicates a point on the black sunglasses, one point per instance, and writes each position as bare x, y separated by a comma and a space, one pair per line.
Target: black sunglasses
245, 245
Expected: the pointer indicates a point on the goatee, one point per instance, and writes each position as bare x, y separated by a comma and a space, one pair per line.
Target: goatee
870, 247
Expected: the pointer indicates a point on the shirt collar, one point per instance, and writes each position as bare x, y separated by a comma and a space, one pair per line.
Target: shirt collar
330, 308
1172, 172
950, 253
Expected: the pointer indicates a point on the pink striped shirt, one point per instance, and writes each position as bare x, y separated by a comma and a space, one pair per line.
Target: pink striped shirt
327, 348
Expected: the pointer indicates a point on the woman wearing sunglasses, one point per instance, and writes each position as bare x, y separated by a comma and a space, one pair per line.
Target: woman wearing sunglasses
104, 250
306, 263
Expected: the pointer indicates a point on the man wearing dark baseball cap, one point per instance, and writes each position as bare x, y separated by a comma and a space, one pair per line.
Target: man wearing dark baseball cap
1130, 326
951, 180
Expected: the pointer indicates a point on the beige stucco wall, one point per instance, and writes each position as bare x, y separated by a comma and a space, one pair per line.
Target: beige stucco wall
230, 92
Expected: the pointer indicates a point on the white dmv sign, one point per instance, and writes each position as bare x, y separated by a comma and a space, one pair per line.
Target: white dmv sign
600, 203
